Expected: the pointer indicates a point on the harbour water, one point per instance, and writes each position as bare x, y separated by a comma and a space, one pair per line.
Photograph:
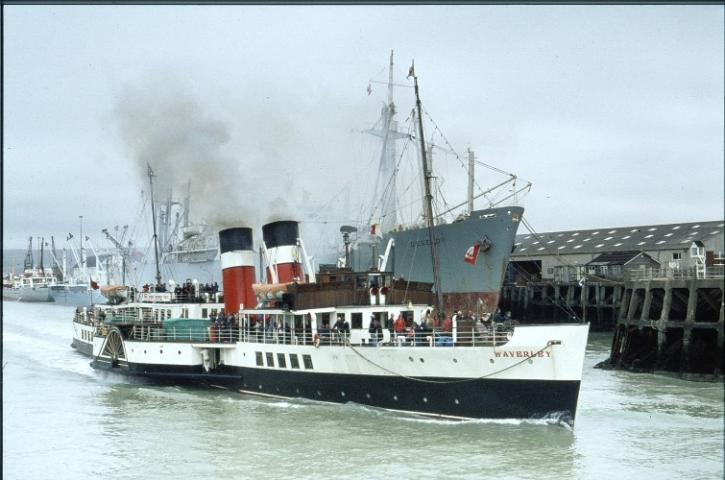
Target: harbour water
63, 420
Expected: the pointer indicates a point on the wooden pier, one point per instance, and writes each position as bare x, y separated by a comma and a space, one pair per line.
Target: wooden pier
672, 325
554, 302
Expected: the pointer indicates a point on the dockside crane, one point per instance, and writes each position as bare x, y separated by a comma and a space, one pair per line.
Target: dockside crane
28, 263
124, 251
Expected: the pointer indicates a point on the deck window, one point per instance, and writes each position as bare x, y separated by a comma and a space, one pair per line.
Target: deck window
356, 320
260, 360
281, 363
294, 362
270, 359
308, 361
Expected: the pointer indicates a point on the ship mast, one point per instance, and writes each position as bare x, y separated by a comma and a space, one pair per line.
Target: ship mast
28, 263
471, 166
153, 217
83, 255
385, 183
427, 175
42, 267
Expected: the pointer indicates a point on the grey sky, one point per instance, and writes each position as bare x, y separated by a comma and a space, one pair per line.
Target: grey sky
615, 113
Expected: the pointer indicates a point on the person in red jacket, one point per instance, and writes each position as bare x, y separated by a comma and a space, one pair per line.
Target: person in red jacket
448, 325
399, 325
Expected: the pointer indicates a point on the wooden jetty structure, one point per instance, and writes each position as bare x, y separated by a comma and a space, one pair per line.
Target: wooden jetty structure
596, 302
671, 324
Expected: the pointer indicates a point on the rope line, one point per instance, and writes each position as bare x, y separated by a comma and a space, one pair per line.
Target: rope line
422, 380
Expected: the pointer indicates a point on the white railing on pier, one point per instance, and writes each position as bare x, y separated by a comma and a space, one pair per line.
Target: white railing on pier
715, 272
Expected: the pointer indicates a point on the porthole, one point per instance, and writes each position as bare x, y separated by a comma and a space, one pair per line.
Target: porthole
144, 352
421, 360
491, 360
425, 399
456, 401
179, 352
260, 387
395, 397
319, 394
455, 360
367, 395
297, 390
410, 358
161, 352
342, 394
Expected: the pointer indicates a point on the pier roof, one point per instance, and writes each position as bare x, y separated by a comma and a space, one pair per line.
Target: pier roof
674, 236
619, 258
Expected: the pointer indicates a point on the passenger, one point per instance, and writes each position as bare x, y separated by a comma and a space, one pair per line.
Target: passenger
428, 319
345, 330
324, 332
411, 333
486, 320
479, 327
257, 326
389, 324
339, 329
376, 331
424, 323
499, 317
339, 324
448, 326
307, 334
445, 338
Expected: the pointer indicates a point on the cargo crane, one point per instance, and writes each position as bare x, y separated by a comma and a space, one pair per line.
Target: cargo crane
124, 251
28, 263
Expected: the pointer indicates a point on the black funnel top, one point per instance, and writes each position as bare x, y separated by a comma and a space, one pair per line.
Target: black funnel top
277, 234
233, 239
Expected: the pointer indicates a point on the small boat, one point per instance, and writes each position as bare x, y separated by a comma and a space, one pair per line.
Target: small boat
33, 285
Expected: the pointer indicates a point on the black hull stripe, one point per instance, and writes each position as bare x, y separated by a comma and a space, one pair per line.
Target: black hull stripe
478, 398
82, 347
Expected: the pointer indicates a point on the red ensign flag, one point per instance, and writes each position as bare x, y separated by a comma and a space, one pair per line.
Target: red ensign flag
472, 254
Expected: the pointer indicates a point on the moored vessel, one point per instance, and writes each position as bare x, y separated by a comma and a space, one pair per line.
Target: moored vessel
34, 284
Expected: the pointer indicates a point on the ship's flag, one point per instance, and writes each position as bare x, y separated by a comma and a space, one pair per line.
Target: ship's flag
411, 71
94, 285
375, 231
472, 254
150, 172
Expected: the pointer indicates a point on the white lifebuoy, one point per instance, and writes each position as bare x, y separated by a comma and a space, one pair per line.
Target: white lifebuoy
316, 340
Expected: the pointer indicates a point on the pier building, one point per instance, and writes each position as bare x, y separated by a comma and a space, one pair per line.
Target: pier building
581, 274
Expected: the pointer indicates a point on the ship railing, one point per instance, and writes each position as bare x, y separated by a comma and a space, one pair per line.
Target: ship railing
439, 338
289, 337
157, 333
430, 339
